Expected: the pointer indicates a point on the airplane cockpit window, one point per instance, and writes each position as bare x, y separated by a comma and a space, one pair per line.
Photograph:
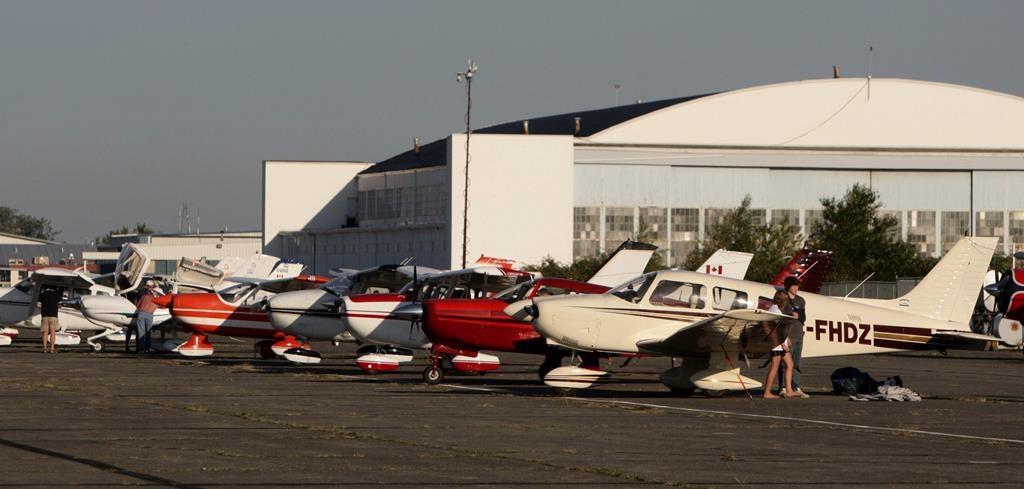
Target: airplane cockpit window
516, 292
339, 286
25, 286
635, 289
236, 293
79, 293
381, 281
728, 299
678, 294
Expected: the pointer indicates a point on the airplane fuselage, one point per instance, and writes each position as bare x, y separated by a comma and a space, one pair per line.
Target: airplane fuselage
609, 323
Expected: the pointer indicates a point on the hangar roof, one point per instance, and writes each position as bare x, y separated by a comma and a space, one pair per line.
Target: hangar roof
591, 122
879, 114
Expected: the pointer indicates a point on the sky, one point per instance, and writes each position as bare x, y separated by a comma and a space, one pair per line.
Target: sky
118, 112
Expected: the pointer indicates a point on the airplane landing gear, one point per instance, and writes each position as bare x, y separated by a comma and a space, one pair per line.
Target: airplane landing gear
552, 360
433, 375
97, 346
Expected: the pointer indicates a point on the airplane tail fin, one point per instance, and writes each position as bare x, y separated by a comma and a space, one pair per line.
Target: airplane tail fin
950, 290
810, 266
732, 264
629, 260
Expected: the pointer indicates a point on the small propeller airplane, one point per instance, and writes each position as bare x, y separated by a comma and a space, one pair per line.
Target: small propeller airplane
713, 323
236, 311
465, 327
312, 314
1004, 300
388, 323
18, 304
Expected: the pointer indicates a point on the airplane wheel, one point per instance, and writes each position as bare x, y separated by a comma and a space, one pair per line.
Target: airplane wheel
98, 346
433, 376
563, 391
715, 394
683, 392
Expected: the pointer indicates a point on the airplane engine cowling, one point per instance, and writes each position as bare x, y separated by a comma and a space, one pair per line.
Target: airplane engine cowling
5, 340
482, 362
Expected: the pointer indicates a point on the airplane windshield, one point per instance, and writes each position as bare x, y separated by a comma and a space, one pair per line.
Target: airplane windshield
469, 285
516, 292
339, 286
236, 293
635, 289
25, 286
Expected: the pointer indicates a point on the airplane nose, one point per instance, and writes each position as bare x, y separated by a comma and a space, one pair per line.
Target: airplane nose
164, 301
411, 312
524, 310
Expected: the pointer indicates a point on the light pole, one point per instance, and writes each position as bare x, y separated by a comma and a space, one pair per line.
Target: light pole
468, 77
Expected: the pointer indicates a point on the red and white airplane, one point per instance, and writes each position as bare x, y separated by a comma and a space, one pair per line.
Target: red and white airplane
236, 311
1006, 299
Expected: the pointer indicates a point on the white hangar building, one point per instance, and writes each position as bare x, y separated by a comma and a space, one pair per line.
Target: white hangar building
946, 159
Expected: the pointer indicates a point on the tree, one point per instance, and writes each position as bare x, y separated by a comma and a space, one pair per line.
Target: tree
772, 244
14, 222
863, 241
140, 228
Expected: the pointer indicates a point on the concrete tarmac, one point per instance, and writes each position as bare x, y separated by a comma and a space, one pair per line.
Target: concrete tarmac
79, 418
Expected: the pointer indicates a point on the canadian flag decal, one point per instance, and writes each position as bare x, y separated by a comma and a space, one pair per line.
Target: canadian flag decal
710, 269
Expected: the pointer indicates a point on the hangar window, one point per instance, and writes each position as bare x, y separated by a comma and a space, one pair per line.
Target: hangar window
654, 225
921, 231
954, 225
990, 223
786, 217
1016, 230
618, 226
811, 218
685, 233
897, 216
586, 223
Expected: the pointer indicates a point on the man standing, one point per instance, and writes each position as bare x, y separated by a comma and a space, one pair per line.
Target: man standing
791, 304
144, 308
49, 307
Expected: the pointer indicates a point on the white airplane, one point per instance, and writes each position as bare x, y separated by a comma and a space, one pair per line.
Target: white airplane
18, 303
714, 322
313, 314
394, 319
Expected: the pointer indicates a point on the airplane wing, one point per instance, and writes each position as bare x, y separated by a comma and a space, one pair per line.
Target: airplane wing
278, 286
754, 329
731, 264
